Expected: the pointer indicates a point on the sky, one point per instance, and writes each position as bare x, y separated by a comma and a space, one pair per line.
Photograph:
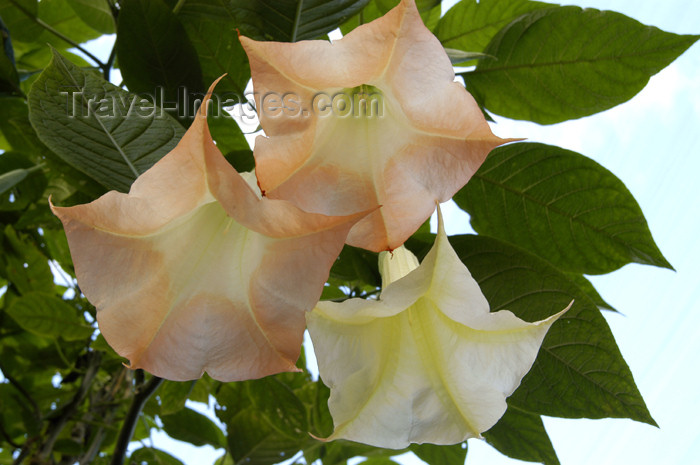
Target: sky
652, 143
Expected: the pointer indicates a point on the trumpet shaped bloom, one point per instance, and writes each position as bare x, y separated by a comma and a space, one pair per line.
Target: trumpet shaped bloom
427, 362
193, 271
374, 118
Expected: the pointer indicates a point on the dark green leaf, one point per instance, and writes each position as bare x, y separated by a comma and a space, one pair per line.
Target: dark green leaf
357, 266
579, 371
151, 456
586, 286
193, 427
252, 441
9, 79
226, 132
107, 133
242, 160
155, 53
561, 206
562, 63
278, 404
522, 436
293, 20
440, 455
470, 25
211, 27
95, 13
47, 315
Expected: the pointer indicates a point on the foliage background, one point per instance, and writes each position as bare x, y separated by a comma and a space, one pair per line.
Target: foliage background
671, 162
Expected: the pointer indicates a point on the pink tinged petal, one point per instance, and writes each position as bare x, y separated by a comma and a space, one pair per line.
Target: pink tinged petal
427, 362
194, 272
427, 143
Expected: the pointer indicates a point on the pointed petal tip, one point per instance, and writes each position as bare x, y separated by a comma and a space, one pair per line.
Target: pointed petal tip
559, 314
328, 439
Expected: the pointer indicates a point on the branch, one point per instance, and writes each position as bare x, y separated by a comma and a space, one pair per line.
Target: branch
110, 61
132, 417
59, 34
107, 401
56, 425
8, 438
24, 392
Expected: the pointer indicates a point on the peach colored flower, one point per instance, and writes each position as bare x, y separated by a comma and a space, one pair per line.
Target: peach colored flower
372, 119
193, 271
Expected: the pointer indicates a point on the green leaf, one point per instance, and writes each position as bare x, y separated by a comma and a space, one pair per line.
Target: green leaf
252, 441
155, 53
21, 182
470, 25
18, 18
211, 26
107, 133
9, 79
16, 128
231, 399
521, 435
172, 396
278, 404
95, 13
226, 132
59, 15
560, 205
293, 20
562, 63
24, 264
151, 456
47, 315
429, 11
586, 286
10, 179
579, 371
242, 160
57, 246
193, 427
355, 266
315, 396
440, 455
458, 56
378, 461
331, 292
